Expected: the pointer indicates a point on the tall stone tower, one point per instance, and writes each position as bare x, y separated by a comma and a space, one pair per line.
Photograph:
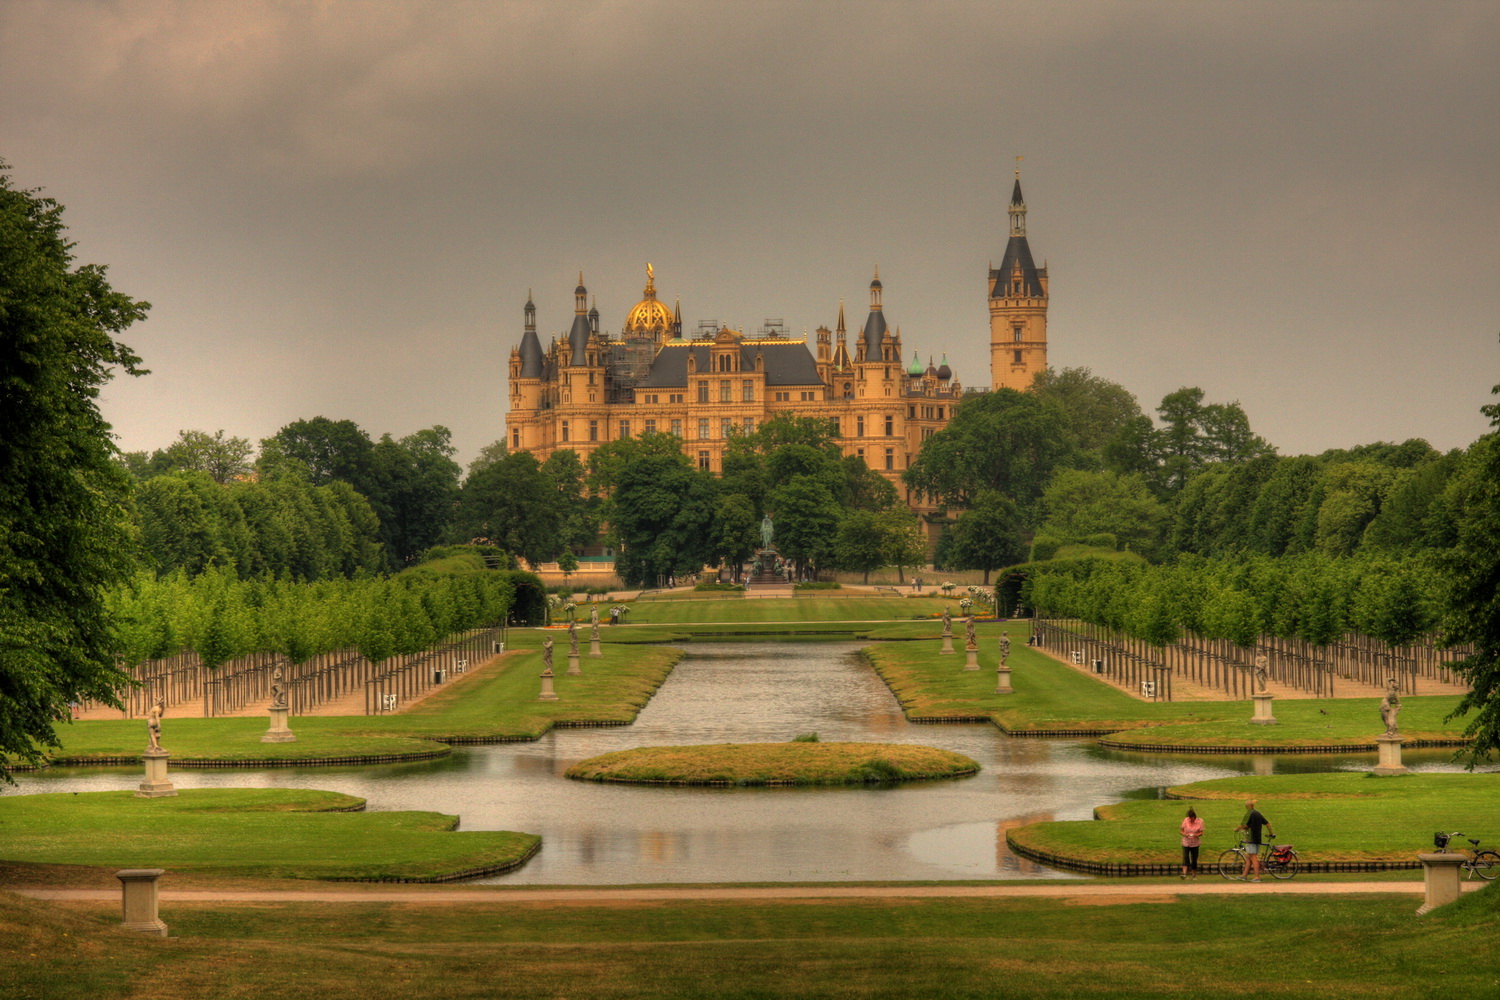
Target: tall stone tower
1018, 307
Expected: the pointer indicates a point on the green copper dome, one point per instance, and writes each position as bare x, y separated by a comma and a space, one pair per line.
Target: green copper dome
915, 369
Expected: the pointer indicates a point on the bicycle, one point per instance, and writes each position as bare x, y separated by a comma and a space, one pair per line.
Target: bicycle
1278, 861
1485, 864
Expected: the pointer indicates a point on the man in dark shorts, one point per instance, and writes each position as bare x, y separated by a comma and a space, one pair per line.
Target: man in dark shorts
1253, 823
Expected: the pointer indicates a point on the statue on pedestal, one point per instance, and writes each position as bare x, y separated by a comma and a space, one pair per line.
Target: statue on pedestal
547, 655
1390, 707
767, 531
153, 728
278, 690
594, 619
1262, 676
1004, 649
947, 620
970, 642
572, 638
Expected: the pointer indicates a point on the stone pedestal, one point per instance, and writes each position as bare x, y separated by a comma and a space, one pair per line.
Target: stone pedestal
972, 660
947, 643
279, 731
1263, 716
1390, 756
1002, 680
139, 898
594, 651
547, 693
1440, 879
156, 785
574, 668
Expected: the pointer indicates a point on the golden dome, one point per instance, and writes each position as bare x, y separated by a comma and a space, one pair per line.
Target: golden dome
649, 315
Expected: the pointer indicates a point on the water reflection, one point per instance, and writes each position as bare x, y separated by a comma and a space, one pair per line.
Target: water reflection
748, 692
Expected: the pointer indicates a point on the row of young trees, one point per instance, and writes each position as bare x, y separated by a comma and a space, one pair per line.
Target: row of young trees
220, 617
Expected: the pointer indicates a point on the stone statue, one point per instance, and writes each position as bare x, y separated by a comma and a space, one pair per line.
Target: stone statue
547, 655
278, 690
1262, 676
153, 728
1390, 707
970, 642
594, 618
947, 620
572, 638
767, 532
1004, 649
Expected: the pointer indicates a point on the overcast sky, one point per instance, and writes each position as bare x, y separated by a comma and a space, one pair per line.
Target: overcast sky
338, 208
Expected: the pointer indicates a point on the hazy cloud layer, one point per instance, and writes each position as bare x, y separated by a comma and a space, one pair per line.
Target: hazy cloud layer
338, 208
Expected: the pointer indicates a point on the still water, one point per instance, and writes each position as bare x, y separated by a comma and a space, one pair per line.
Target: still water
755, 692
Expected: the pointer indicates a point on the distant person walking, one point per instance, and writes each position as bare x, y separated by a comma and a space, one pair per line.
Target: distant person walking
1192, 836
1253, 824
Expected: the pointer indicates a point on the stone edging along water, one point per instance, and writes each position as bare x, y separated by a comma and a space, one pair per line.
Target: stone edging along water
1130, 869
465, 875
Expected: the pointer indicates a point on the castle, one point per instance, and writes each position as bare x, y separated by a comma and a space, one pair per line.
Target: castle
588, 388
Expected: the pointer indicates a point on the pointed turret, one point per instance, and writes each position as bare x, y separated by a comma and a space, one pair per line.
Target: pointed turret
874, 331
594, 318
1018, 305
578, 336
531, 347
944, 372
915, 369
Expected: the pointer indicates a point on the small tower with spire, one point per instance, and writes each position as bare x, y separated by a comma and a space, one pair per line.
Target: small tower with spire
525, 385
1018, 305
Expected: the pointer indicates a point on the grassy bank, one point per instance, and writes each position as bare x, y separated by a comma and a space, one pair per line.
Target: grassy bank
272, 833
774, 764
1328, 817
1334, 947
496, 705
1051, 697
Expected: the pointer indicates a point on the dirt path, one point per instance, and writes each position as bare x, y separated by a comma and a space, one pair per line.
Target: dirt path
1160, 891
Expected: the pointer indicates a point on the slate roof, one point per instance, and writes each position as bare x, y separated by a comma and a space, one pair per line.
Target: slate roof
1017, 250
786, 364
578, 339
531, 355
874, 332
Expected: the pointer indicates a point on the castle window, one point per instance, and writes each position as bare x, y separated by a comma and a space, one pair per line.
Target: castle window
677, 428
749, 425
1017, 332
624, 428
748, 390
861, 453
848, 390
911, 413
726, 393
890, 427
1018, 357
515, 438
702, 392
940, 413
833, 426
593, 430
591, 376
565, 430
703, 460
703, 429
651, 427
726, 428
859, 427
890, 458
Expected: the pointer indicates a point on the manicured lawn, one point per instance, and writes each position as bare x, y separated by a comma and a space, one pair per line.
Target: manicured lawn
498, 704
1340, 816
821, 608
1051, 696
1334, 947
274, 833
774, 764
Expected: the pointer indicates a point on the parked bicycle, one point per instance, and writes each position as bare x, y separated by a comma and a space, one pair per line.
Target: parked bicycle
1485, 864
1276, 860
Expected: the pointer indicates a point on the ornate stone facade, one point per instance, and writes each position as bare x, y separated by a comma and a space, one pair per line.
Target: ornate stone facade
587, 388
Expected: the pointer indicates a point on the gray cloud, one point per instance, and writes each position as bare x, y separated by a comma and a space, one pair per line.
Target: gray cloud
338, 208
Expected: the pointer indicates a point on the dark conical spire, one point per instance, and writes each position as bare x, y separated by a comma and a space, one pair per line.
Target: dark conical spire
874, 331
531, 347
578, 336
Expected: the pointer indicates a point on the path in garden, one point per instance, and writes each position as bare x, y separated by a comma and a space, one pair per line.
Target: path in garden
1083, 892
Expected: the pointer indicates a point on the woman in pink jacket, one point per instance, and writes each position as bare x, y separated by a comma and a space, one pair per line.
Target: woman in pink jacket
1192, 836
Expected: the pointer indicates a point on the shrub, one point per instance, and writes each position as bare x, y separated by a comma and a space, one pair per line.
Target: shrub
806, 738
1044, 548
718, 586
820, 585
1103, 540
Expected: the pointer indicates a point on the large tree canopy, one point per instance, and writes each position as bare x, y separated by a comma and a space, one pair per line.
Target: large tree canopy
63, 535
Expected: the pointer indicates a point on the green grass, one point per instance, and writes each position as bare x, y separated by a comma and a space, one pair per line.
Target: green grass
794, 763
695, 608
1053, 697
1330, 948
273, 833
1329, 817
499, 704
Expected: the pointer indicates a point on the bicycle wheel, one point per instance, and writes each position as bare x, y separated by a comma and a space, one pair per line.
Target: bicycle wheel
1487, 864
1232, 864
1287, 868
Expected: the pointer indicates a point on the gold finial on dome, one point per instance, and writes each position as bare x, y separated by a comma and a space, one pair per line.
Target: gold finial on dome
648, 316
650, 281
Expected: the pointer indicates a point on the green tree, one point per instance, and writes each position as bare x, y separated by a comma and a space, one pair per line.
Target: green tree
63, 537
903, 542
736, 530
1096, 410
224, 459
858, 546
322, 450
1078, 504
987, 536
1196, 434
1471, 586
414, 490
663, 512
512, 503
1005, 441
807, 521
